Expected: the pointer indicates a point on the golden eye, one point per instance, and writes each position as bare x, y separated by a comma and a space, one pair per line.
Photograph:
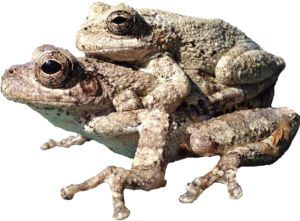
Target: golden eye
52, 69
120, 22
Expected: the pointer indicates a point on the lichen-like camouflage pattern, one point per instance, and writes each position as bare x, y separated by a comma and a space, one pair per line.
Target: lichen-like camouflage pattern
94, 98
170, 45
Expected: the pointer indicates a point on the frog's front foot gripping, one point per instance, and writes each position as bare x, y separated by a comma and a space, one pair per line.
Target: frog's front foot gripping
172, 90
253, 137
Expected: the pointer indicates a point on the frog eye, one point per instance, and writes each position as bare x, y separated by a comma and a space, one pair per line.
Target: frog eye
120, 22
52, 69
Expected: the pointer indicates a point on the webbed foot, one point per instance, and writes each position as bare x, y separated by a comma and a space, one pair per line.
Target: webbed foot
119, 179
224, 172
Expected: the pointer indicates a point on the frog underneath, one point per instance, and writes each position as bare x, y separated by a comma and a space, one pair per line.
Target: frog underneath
78, 95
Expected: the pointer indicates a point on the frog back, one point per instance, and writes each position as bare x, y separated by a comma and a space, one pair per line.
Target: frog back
205, 41
195, 42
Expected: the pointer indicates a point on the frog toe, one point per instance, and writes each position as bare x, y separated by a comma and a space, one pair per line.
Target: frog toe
224, 172
235, 191
66, 143
121, 213
65, 194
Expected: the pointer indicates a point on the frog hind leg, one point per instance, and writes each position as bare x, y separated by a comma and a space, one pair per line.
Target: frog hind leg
247, 63
262, 100
246, 96
262, 152
248, 71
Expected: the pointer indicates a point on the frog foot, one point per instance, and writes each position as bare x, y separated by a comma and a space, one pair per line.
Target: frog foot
224, 172
119, 179
111, 175
69, 141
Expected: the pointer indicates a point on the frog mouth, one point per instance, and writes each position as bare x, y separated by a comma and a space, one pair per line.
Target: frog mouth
127, 54
51, 103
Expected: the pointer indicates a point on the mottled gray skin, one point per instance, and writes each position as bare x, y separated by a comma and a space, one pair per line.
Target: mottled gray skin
210, 46
86, 93
95, 87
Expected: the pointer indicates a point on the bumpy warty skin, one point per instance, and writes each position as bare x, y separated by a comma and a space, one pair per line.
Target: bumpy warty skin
241, 127
91, 92
88, 94
164, 44
92, 97
243, 138
197, 43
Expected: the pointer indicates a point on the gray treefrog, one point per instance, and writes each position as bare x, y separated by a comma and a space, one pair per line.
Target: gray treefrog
167, 44
78, 95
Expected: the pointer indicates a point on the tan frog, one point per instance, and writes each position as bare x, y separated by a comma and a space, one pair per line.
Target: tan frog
146, 38
78, 95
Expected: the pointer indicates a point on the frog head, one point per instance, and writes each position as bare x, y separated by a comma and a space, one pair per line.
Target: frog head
119, 33
55, 84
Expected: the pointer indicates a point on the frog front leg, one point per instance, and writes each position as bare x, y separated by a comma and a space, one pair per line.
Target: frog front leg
150, 161
254, 137
69, 141
175, 84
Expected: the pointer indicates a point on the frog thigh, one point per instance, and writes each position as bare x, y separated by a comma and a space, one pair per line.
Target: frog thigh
248, 65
